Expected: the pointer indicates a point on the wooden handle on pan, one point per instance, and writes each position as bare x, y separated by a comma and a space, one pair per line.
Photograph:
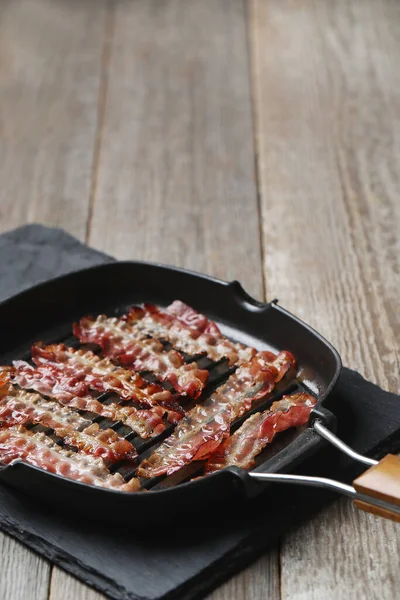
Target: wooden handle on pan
381, 481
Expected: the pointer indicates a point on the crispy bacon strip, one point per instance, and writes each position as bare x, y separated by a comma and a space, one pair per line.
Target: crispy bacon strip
204, 427
145, 422
83, 370
197, 322
119, 341
197, 435
17, 443
188, 331
241, 448
18, 407
281, 362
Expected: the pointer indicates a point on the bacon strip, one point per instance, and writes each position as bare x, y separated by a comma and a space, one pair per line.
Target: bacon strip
204, 427
188, 331
198, 434
197, 322
17, 443
208, 330
281, 362
19, 408
119, 341
145, 422
241, 448
79, 371
83, 370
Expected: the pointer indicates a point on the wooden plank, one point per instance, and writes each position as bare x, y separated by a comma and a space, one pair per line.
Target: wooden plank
342, 554
328, 116
176, 179
65, 587
50, 71
24, 575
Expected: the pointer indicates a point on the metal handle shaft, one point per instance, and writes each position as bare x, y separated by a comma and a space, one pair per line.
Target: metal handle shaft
322, 482
335, 441
332, 484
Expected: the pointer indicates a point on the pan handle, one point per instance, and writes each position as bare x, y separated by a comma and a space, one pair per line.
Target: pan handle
376, 491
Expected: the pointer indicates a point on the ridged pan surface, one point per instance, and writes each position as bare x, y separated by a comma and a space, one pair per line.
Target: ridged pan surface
47, 311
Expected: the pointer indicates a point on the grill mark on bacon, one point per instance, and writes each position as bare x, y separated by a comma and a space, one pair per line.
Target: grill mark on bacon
18, 407
84, 368
144, 422
241, 448
17, 443
197, 435
119, 341
79, 371
189, 331
204, 427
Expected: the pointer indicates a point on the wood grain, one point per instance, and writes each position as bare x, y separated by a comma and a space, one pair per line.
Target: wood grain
343, 553
323, 149
327, 96
50, 68
381, 481
24, 575
66, 587
176, 180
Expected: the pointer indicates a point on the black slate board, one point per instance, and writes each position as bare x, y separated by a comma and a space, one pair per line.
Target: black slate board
188, 561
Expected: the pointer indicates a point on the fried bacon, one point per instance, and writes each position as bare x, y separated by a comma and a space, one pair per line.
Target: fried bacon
51, 383
17, 443
197, 435
241, 448
281, 362
18, 407
189, 331
204, 427
119, 341
188, 316
84, 370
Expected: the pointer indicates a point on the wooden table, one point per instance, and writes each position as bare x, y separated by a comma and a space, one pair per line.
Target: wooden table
255, 141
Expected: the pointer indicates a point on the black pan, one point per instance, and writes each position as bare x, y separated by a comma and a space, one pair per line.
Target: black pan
46, 312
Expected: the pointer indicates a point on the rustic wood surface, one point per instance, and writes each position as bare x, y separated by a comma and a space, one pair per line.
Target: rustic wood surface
254, 141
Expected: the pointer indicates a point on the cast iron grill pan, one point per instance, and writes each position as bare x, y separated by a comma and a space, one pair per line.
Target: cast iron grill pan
47, 311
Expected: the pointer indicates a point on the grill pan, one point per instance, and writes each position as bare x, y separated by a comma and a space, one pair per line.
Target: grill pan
46, 312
